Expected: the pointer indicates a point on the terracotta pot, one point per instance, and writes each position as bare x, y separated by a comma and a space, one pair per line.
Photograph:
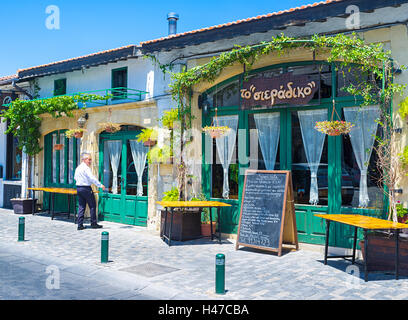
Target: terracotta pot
58, 147
381, 253
78, 134
206, 228
149, 143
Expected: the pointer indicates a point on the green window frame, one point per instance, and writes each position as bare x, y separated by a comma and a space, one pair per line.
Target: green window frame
60, 87
119, 83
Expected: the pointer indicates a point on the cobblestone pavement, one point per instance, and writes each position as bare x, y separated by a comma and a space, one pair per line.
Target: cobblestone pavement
189, 267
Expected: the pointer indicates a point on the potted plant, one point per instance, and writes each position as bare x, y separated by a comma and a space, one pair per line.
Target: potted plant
186, 222
110, 127
205, 218
148, 136
216, 131
334, 128
402, 212
77, 133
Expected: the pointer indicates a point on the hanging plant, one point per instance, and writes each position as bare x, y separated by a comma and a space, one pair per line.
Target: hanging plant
334, 128
77, 133
110, 127
216, 131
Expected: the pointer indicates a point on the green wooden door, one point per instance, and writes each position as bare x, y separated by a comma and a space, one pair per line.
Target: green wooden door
121, 202
59, 167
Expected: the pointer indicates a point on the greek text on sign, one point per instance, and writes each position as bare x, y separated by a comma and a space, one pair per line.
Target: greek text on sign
285, 89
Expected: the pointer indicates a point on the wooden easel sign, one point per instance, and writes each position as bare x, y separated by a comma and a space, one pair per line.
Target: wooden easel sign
267, 218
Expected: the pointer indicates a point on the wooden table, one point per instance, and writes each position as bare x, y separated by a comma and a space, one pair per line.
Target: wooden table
192, 204
51, 197
365, 223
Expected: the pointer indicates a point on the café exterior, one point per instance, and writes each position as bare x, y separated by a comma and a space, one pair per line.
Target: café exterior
271, 116
272, 110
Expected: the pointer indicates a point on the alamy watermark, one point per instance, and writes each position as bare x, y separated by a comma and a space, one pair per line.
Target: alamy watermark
53, 280
353, 21
52, 22
353, 277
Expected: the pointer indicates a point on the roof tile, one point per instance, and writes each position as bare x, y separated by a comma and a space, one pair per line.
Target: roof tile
303, 7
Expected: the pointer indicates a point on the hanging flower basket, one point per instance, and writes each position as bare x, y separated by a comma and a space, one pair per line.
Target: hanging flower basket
77, 133
149, 143
216, 132
334, 128
110, 127
58, 147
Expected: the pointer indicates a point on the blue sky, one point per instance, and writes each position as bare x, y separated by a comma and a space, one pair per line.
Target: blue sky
91, 26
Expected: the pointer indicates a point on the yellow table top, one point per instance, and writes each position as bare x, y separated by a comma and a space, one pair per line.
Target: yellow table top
192, 204
363, 221
55, 190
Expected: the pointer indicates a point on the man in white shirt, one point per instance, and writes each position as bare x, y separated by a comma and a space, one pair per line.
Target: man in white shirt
84, 179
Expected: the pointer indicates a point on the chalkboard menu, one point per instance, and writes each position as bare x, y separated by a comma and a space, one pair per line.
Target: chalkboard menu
267, 210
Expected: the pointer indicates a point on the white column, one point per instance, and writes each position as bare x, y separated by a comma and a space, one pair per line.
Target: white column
24, 175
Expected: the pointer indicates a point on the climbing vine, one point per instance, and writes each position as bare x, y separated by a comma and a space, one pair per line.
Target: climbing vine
346, 52
24, 117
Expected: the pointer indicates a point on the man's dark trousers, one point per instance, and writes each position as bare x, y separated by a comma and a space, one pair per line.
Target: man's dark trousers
85, 195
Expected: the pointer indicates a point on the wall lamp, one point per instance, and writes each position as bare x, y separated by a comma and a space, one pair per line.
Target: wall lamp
82, 120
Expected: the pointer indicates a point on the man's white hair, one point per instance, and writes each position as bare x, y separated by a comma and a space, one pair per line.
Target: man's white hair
85, 155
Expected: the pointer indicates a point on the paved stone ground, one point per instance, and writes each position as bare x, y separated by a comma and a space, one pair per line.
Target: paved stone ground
189, 267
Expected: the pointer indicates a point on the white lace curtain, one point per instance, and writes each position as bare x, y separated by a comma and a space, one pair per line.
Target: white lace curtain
54, 159
225, 148
115, 150
362, 138
139, 155
268, 126
313, 142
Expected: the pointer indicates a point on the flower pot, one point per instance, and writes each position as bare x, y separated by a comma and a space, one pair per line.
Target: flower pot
216, 132
149, 143
206, 228
334, 128
186, 224
110, 129
381, 253
78, 134
58, 147
23, 206
403, 219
